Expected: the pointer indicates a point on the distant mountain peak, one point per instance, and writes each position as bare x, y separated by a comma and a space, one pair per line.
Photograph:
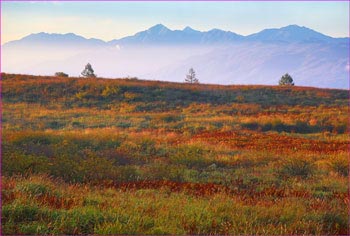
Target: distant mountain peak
189, 29
70, 34
216, 30
290, 33
297, 28
158, 28
293, 26
45, 34
43, 39
35, 35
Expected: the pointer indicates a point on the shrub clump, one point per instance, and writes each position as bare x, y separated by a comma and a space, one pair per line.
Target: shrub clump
61, 74
296, 168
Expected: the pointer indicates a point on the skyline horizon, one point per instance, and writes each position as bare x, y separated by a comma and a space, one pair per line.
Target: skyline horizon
171, 29
115, 20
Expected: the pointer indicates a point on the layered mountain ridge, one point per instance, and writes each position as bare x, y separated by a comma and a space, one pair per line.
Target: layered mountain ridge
218, 56
161, 34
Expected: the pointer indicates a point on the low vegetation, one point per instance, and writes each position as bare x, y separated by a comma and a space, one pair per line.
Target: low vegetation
99, 156
61, 74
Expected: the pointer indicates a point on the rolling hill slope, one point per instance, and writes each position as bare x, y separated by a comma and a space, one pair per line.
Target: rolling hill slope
128, 156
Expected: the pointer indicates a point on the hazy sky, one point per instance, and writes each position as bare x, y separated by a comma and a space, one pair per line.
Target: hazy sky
111, 20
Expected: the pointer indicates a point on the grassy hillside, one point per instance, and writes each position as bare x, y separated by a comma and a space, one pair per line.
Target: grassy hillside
83, 156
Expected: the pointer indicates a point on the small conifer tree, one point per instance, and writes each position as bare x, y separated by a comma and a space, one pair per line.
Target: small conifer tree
88, 71
191, 77
286, 80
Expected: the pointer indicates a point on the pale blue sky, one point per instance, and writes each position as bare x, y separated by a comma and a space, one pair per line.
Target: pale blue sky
110, 20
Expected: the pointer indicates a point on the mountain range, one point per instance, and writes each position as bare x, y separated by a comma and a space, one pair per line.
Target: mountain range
218, 56
160, 34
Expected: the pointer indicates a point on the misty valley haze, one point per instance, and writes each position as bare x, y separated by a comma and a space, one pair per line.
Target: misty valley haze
219, 57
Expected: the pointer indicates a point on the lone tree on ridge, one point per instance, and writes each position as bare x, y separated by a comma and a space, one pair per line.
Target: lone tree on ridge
88, 71
191, 77
286, 80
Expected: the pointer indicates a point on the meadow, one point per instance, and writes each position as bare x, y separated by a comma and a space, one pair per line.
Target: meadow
126, 156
